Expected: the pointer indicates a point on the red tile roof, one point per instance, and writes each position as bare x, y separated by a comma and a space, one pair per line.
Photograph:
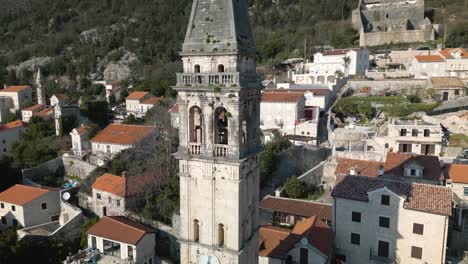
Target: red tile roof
11, 125
121, 229
282, 97
396, 163
15, 89
447, 53
362, 167
174, 109
458, 173
111, 184
82, 129
22, 194
125, 186
296, 207
34, 108
44, 112
429, 58
420, 197
152, 100
137, 95
123, 134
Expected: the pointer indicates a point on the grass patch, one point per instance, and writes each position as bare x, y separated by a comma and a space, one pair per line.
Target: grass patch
459, 140
401, 110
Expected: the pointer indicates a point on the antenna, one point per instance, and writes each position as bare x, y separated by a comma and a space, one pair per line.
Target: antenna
66, 196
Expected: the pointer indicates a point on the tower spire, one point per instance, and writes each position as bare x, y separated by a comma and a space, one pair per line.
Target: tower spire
40, 88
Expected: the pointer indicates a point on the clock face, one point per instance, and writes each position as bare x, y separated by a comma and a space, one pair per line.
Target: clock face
208, 260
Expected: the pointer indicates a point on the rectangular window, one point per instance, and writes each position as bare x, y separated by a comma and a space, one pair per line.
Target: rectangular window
385, 199
13, 208
465, 191
44, 206
15, 222
403, 132
384, 222
427, 133
2, 205
414, 133
355, 239
118, 203
416, 252
418, 229
4, 220
109, 199
304, 256
98, 196
457, 92
383, 249
356, 217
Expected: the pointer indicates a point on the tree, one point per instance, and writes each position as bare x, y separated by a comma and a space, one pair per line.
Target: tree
295, 188
11, 78
84, 229
10, 175
96, 111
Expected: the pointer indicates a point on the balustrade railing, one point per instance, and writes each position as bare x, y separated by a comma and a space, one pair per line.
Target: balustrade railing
195, 79
220, 150
194, 149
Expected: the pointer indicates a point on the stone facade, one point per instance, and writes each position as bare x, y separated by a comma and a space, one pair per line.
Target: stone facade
21, 96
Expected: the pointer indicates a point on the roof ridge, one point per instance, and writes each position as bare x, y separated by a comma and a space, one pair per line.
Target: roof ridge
132, 227
277, 229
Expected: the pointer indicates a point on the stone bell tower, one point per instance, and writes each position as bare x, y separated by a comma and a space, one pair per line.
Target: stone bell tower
219, 107
41, 97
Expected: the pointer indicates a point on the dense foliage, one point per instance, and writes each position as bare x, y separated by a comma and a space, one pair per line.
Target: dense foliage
269, 155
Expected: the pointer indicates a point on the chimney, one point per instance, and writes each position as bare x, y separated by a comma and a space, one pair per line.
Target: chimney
381, 170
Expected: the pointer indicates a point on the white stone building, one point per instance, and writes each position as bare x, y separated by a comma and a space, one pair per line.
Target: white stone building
332, 64
42, 111
447, 88
115, 138
80, 141
28, 206
450, 62
381, 220
138, 103
282, 110
9, 134
21, 96
119, 238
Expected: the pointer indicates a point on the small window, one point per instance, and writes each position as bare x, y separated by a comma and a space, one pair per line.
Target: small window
383, 249
416, 252
221, 235
384, 222
418, 229
403, 132
465, 191
356, 217
413, 172
109, 199
43, 206
427, 133
355, 239
98, 196
385, 199
13, 208
457, 92
15, 222
4, 220
118, 203
414, 133
2, 205
196, 230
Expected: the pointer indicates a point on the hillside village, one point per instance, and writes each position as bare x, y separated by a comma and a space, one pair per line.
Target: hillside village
347, 154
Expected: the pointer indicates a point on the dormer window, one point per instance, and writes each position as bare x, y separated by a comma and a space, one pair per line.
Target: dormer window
413, 170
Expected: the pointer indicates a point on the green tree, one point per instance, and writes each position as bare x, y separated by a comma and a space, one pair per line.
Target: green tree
88, 223
295, 188
11, 78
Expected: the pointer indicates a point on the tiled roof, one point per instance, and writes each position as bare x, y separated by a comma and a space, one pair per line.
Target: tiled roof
152, 100
316, 92
82, 129
174, 109
137, 95
361, 167
420, 197
276, 242
123, 134
44, 112
121, 229
136, 184
297, 207
281, 97
34, 108
22, 194
447, 53
396, 162
458, 173
11, 125
429, 58
111, 184
15, 89
444, 82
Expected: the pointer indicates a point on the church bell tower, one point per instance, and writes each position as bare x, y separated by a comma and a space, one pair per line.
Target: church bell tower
219, 114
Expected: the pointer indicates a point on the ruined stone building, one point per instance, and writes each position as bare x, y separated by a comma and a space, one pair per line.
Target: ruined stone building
392, 21
219, 120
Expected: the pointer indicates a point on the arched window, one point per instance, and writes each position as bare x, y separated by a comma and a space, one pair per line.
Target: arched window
196, 125
321, 79
196, 230
221, 126
196, 69
221, 235
414, 133
386, 145
331, 79
221, 68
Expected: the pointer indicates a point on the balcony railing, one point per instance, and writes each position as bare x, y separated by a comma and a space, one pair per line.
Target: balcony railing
199, 79
194, 149
220, 150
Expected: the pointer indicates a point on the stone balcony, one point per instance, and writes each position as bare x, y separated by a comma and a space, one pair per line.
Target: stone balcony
206, 79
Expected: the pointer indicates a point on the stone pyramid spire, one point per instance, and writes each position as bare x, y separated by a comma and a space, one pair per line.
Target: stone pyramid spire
219, 26
40, 88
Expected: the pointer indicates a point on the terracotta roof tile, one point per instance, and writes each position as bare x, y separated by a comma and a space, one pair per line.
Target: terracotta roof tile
15, 89
123, 134
458, 173
119, 228
125, 186
429, 58
137, 95
362, 167
444, 82
46, 111
111, 184
11, 125
420, 197
82, 129
274, 242
396, 162
152, 100
22, 194
447, 53
282, 97
297, 207
34, 108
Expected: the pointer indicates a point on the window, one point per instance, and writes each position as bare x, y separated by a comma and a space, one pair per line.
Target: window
427, 133
221, 124
196, 230
355, 239
196, 125
196, 69
385, 199
465, 191
109, 199
403, 132
98, 196
383, 249
221, 235
220, 68
118, 203
418, 229
384, 222
4, 220
15, 222
414, 133
13, 208
356, 217
108, 149
413, 172
2, 205
416, 252
457, 92
43, 206
304, 256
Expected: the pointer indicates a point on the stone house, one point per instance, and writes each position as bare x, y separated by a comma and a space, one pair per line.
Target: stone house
314, 97
138, 103
117, 137
447, 88
310, 241
383, 220
21, 96
426, 66
42, 111
458, 179
28, 206
281, 110
112, 195
80, 141
456, 62
119, 238
9, 134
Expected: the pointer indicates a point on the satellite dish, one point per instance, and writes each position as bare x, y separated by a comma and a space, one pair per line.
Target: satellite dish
66, 196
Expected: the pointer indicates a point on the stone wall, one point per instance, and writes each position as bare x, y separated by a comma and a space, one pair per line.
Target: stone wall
78, 168
396, 85
410, 36
51, 167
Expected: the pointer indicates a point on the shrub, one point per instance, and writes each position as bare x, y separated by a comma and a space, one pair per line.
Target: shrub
295, 188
